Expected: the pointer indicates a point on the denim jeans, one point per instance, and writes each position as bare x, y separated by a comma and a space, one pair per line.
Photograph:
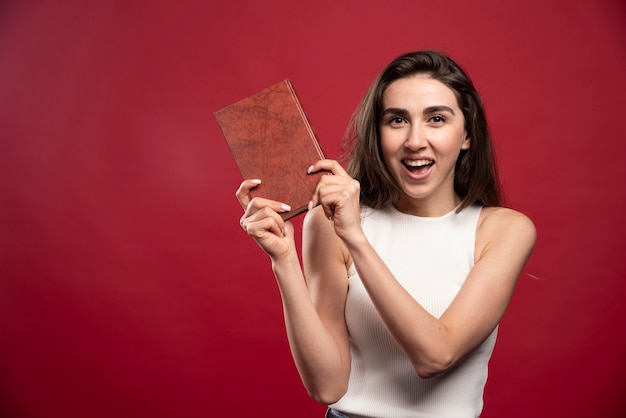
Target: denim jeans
331, 413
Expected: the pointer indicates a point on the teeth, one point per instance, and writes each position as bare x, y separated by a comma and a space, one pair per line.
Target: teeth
418, 163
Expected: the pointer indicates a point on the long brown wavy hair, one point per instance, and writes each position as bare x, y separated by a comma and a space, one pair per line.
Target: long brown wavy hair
475, 178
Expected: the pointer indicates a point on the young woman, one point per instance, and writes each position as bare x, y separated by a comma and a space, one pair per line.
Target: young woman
409, 258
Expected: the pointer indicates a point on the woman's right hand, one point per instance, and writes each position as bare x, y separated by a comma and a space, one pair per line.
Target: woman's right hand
261, 220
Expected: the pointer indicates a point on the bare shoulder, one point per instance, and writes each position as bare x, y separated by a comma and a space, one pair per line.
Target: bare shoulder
498, 226
318, 236
317, 227
499, 217
315, 218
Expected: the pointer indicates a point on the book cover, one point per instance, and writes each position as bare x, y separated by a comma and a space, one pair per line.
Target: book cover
271, 139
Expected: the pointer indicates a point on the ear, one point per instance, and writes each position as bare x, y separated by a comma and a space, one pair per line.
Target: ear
466, 143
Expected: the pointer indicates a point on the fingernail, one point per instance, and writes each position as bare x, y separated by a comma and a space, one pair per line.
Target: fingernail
309, 170
284, 207
255, 181
310, 204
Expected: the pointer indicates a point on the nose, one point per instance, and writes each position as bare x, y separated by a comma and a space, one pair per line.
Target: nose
416, 138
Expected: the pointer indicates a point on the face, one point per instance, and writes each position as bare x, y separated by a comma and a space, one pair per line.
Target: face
422, 133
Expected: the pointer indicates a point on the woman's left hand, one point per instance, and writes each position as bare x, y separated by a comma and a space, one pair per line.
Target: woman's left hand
338, 194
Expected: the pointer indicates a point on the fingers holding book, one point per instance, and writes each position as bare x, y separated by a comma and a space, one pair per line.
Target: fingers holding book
262, 221
243, 195
243, 192
338, 194
332, 166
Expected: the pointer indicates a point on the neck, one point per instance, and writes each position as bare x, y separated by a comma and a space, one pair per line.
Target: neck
426, 208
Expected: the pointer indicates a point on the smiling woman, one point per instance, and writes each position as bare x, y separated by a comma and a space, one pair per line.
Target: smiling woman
422, 134
126, 285
397, 309
475, 177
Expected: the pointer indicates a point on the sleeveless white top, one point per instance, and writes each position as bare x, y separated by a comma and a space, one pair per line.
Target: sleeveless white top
431, 258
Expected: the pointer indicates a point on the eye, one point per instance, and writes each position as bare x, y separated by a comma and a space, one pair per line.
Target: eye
438, 119
396, 120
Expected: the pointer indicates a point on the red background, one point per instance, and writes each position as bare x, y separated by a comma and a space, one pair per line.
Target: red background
126, 285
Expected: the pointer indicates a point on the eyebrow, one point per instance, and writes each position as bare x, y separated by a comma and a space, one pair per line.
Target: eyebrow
427, 111
438, 109
396, 111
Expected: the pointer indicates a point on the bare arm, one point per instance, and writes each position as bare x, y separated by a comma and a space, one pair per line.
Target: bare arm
326, 264
504, 241
435, 344
313, 314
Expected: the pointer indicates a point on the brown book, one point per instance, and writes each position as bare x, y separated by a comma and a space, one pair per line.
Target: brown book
271, 139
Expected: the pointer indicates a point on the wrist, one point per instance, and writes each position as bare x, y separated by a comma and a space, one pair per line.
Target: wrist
354, 239
285, 262
357, 245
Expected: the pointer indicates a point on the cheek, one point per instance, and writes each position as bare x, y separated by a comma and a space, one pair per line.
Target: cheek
387, 150
390, 143
457, 141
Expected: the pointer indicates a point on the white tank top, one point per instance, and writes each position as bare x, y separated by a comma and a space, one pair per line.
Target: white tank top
431, 258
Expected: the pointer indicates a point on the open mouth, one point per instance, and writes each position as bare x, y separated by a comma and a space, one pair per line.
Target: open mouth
417, 166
